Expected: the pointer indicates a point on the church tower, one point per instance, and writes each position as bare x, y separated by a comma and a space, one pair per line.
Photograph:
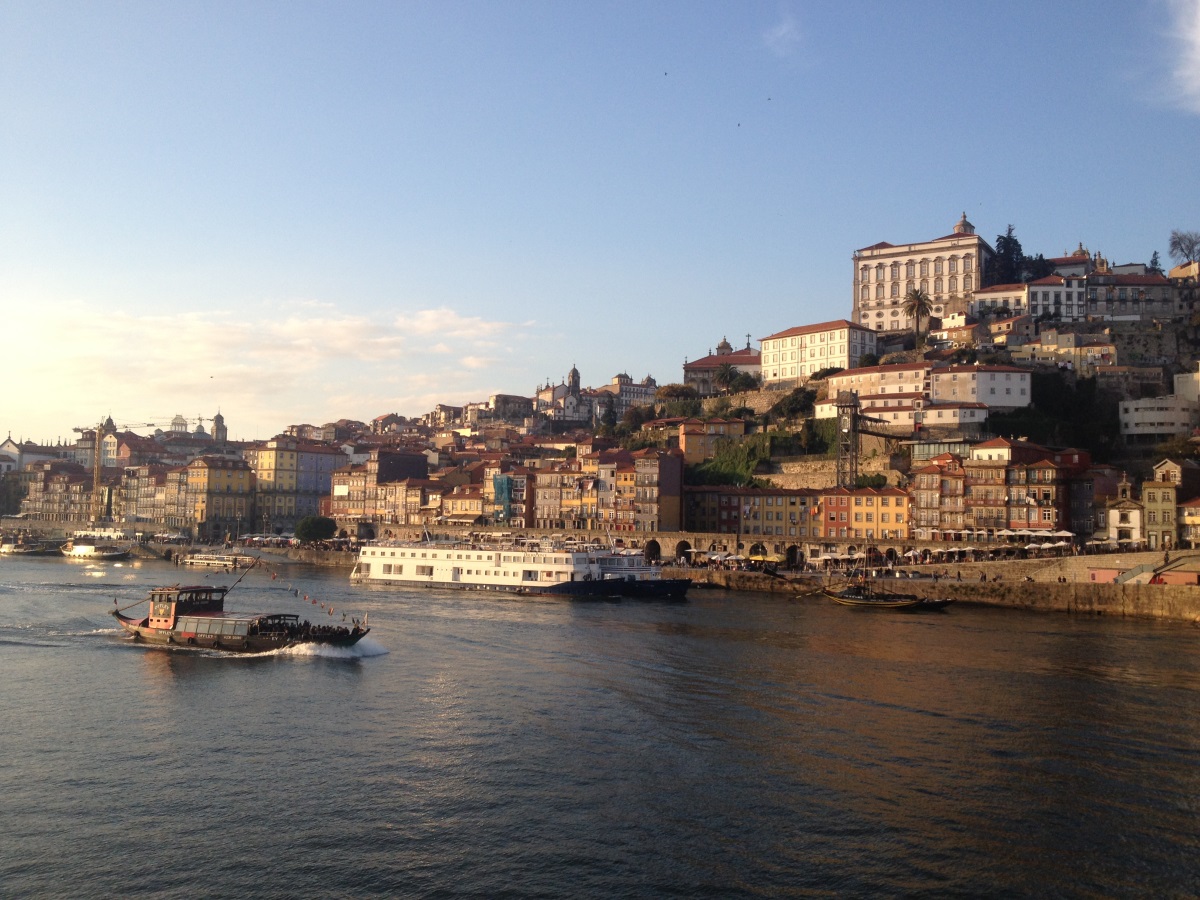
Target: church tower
219, 433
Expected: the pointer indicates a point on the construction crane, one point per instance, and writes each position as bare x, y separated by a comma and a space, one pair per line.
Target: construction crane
96, 512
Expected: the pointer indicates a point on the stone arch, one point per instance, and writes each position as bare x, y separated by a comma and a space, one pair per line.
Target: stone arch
652, 552
681, 551
795, 557
758, 549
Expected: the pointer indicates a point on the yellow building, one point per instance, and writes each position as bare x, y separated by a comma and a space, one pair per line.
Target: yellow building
220, 496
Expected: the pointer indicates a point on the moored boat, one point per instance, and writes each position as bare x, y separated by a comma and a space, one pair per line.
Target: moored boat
530, 570
75, 549
30, 548
862, 592
220, 560
196, 617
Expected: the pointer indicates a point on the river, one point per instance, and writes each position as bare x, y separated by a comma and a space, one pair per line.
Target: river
736, 745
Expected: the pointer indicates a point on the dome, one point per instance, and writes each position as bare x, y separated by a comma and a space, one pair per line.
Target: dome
963, 226
724, 347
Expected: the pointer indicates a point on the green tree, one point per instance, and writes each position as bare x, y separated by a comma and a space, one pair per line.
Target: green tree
918, 305
315, 528
1008, 264
867, 360
1184, 246
799, 402
12, 492
742, 382
1155, 264
822, 374
677, 392
1035, 267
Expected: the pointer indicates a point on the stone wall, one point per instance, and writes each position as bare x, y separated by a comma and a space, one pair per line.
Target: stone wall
1178, 603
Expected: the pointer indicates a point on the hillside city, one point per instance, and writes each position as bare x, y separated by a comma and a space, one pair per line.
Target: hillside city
972, 395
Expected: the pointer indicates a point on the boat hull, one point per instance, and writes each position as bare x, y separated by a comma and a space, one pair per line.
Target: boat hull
886, 601
604, 589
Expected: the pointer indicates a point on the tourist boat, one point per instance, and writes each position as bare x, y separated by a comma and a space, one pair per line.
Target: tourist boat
75, 549
196, 617
862, 592
220, 560
528, 569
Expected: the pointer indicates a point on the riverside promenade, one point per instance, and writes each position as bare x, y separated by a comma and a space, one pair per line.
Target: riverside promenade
1046, 585
1058, 584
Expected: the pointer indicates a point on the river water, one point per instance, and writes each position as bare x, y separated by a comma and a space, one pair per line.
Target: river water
732, 746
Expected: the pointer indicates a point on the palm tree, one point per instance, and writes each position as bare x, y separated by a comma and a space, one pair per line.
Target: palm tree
724, 375
918, 305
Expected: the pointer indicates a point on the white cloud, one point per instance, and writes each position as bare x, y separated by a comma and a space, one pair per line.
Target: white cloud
263, 372
783, 37
1185, 31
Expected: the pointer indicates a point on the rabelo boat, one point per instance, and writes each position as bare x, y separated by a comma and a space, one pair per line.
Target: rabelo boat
196, 617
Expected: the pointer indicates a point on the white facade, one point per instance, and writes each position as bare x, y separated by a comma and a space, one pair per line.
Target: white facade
1155, 417
1014, 297
949, 269
789, 357
902, 378
997, 387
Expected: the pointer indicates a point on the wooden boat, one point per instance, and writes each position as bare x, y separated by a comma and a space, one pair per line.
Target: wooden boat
32, 548
861, 592
196, 617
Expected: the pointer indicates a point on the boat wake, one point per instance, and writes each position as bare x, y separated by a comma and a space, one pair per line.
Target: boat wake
362, 650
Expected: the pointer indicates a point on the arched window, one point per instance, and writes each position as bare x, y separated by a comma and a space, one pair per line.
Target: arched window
953, 284
864, 274
879, 291
895, 289
924, 268
865, 293
968, 263
895, 271
937, 285
937, 266
879, 272
953, 265
909, 269
908, 286
968, 283
924, 286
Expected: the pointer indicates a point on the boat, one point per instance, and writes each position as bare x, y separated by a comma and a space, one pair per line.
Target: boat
196, 617
534, 569
75, 549
862, 592
30, 548
220, 560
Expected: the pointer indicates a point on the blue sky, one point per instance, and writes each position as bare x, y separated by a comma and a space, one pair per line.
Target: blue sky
296, 212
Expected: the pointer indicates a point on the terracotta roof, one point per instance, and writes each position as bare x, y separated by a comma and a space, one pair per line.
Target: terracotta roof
835, 325
1000, 289
746, 356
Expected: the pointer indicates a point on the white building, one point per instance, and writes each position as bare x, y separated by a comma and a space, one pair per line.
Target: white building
997, 387
1157, 418
1013, 297
949, 269
789, 357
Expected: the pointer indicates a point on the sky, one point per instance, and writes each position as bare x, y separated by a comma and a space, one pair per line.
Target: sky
301, 212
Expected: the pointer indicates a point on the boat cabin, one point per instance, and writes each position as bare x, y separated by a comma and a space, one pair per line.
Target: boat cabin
166, 604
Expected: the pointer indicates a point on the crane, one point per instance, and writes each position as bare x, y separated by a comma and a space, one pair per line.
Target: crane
97, 505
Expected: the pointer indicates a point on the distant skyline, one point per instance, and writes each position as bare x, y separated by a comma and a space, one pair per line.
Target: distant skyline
308, 211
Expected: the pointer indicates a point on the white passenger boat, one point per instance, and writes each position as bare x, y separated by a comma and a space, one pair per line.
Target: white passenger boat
220, 560
76, 549
583, 572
